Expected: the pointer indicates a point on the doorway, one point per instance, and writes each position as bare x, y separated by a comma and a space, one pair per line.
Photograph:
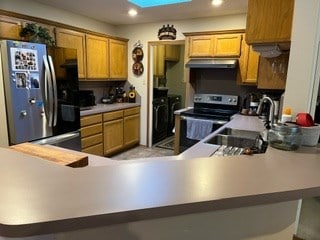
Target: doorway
166, 88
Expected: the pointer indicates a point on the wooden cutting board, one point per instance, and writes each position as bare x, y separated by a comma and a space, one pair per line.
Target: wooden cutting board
58, 156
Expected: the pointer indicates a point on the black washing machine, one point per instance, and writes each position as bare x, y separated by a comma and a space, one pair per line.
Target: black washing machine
174, 103
160, 119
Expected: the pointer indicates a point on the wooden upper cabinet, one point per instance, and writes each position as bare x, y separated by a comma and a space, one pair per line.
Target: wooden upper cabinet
164, 53
201, 46
215, 45
269, 21
172, 53
10, 28
248, 65
118, 55
158, 60
72, 39
227, 45
273, 72
97, 49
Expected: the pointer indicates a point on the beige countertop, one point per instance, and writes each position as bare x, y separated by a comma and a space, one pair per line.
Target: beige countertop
40, 197
100, 108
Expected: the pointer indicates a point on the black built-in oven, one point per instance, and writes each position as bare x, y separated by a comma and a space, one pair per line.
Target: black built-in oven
211, 111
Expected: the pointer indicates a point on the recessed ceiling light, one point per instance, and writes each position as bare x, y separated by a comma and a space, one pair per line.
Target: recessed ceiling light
216, 3
132, 12
154, 3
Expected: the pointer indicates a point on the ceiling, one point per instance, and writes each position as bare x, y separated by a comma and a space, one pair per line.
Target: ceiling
114, 12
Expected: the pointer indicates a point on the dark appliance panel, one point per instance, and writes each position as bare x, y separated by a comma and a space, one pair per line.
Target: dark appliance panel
160, 119
174, 103
66, 69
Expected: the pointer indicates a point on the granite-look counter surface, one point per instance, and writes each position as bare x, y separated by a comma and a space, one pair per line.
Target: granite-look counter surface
40, 197
100, 108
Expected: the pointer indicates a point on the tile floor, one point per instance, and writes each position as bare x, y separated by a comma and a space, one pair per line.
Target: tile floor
143, 152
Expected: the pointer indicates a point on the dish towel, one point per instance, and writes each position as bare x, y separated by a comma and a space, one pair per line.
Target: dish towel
67, 112
197, 129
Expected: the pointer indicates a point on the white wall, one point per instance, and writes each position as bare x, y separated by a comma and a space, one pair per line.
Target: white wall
148, 32
35, 9
302, 80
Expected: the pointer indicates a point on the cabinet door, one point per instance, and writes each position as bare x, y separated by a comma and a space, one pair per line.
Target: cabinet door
201, 46
72, 39
252, 66
118, 59
227, 45
172, 53
113, 136
269, 21
158, 60
248, 65
10, 28
97, 57
273, 72
131, 129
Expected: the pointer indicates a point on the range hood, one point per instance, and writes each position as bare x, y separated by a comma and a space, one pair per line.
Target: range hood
212, 63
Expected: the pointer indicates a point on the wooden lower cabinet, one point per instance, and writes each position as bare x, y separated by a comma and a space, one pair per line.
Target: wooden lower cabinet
91, 134
131, 127
121, 130
105, 134
113, 136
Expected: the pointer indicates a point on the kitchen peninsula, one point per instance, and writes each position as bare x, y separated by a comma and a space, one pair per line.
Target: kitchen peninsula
178, 197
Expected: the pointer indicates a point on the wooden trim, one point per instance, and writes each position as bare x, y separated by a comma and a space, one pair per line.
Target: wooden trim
188, 34
56, 24
174, 42
148, 92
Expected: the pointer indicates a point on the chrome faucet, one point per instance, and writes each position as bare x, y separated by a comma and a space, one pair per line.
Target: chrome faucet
270, 121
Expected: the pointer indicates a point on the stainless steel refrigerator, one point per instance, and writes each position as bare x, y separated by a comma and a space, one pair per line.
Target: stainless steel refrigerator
41, 94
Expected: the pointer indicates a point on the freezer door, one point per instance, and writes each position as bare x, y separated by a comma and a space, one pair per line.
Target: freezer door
24, 82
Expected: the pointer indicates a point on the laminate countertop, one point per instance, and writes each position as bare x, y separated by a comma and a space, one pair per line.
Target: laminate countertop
101, 108
40, 197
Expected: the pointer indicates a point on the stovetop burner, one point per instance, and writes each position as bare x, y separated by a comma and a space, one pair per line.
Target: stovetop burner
214, 106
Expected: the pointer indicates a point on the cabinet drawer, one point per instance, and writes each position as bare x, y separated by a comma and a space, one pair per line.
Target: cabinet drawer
91, 140
91, 130
131, 111
96, 149
112, 115
92, 119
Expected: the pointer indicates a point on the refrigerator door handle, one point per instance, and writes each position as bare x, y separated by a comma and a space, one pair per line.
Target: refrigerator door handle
48, 106
55, 92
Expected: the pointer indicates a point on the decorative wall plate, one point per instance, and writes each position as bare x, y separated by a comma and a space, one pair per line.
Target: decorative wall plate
137, 54
137, 68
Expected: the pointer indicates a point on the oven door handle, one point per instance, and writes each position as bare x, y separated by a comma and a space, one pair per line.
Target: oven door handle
216, 121
156, 121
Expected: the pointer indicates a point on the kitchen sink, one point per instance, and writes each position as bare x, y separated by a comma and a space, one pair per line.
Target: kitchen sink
237, 142
231, 140
239, 133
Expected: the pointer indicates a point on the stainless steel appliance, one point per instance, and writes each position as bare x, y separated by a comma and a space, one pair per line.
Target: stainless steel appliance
41, 92
210, 112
